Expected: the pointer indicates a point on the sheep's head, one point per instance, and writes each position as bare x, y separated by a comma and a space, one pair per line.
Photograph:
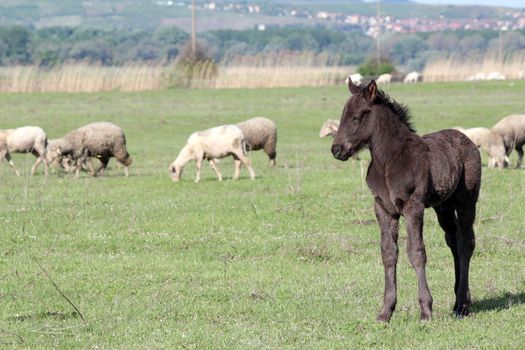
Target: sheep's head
128, 161
53, 152
175, 172
329, 128
497, 152
175, 168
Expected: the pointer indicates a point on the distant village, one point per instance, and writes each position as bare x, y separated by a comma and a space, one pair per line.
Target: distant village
514, 19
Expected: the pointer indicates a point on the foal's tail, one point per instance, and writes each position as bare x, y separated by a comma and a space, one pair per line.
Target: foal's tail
472, 172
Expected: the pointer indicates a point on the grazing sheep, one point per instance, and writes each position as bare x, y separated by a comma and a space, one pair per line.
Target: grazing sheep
411, 77
512, 130
329, 128
65, 161
27, 139
384, 79
102, 140
356, 78
211, 144
496, 76
479, 76
489, 142
260, 133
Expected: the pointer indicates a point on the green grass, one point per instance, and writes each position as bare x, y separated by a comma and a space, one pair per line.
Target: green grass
290, 260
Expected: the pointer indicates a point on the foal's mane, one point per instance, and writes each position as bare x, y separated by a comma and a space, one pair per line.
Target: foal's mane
399, 109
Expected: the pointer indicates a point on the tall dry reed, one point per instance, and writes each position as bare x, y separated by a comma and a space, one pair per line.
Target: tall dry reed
281, 69
82, 77
460, 68
263, 70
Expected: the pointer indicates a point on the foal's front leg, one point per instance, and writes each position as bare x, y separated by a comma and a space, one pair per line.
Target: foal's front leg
389, 226
413, 212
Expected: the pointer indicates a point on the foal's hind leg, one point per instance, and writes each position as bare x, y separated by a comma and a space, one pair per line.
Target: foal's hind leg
466, 243
448, 222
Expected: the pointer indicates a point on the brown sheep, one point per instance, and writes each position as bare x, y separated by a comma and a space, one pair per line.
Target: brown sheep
102, 140
260, 133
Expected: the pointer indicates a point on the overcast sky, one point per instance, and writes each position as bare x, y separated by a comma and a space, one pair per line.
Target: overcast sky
510, 3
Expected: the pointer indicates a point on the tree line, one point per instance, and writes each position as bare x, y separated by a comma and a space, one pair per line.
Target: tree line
54, 45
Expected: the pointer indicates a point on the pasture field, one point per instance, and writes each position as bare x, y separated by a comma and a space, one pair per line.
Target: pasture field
291, 260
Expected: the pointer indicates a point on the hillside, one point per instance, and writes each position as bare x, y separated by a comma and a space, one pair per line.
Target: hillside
150, 14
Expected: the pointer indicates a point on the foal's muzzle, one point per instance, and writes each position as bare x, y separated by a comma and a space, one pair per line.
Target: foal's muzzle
339, 152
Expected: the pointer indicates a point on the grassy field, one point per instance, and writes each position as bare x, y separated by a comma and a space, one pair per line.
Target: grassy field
290, 260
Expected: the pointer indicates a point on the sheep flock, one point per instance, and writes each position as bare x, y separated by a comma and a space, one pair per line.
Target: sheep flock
74, 151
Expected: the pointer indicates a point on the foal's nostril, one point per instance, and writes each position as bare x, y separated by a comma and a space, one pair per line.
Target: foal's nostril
336, 150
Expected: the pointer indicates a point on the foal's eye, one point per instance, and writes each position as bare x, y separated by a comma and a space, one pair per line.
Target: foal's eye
355, 120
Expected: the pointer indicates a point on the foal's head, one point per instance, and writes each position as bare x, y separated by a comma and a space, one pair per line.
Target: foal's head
356, 125
358, 119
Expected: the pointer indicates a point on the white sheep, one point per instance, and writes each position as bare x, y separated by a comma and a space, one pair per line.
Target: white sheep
489, 142
356, 78
479, 76
512, 130
211, 144
384, 78
27, 139
329, 128
102, 140
411, 77
496, 76
260, 133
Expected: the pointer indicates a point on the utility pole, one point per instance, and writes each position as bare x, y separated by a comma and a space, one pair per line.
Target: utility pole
193, 29
378, 39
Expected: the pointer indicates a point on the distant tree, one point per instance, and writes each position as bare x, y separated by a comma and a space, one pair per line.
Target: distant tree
55, 34
443, 42
472, 43
355, 48
170, 35
97, 50
15, 43
146, 51
510, 41
405, 47
47, 54
300, 42
276, 44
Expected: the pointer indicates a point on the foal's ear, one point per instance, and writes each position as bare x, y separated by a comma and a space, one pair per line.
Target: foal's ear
371, 90
351, 86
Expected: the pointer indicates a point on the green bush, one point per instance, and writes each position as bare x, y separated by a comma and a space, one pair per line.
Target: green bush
371, 68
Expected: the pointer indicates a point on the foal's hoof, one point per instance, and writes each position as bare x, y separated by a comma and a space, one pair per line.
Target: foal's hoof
425, 316
384, 317
462, 311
